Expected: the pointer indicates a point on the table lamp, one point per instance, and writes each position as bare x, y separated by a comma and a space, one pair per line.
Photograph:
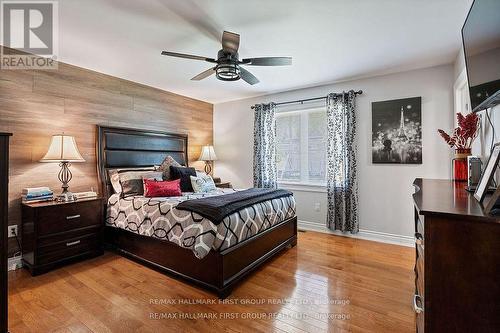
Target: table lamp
208, 156
63, 150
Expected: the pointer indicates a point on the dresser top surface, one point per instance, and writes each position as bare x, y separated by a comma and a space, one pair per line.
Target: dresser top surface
446, 197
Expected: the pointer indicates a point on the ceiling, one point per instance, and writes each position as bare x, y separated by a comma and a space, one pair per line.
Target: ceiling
329, 40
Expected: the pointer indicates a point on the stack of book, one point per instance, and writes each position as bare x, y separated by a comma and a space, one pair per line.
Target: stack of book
37, 194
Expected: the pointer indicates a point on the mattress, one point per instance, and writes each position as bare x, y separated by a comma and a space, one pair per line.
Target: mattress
158, 218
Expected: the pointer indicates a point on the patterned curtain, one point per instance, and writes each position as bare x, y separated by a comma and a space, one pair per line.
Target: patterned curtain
265, 174
342, 183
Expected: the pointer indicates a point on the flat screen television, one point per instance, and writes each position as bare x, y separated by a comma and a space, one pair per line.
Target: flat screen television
481, 41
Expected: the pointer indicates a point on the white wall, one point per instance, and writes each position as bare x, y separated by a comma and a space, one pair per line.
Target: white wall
384, 190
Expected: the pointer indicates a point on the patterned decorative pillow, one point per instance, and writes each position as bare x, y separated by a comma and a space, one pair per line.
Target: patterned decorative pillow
165, 166
154, 188
132, 183
183, 174
114, 176
202, 183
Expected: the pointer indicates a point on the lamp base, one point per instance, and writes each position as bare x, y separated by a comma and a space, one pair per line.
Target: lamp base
208, 167
66, 197
65, 177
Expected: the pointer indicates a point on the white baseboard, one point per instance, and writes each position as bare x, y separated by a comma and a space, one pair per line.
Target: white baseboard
15, 263
376, 236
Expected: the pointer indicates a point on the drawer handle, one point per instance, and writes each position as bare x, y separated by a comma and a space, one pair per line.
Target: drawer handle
73, 243
417, 299
419, 239
72, 217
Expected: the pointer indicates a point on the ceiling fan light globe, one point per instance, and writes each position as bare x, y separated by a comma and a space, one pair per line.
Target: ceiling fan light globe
228, 72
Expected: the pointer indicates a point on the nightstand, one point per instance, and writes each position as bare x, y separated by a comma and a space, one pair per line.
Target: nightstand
224, 185
56, 233
218, 183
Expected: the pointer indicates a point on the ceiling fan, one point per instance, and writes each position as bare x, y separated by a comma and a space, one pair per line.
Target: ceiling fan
228, 66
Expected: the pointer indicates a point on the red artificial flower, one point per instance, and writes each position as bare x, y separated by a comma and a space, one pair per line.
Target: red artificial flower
465, 133
449, 140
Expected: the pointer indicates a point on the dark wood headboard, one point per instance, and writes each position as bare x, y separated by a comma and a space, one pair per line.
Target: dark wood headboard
119, 147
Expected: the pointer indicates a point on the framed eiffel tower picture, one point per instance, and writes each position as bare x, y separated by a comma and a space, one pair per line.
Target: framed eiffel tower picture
397, 131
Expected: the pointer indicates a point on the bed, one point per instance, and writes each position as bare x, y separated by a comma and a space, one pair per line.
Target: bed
187, 245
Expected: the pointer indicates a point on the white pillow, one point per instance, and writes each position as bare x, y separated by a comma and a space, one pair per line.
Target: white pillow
202, 183
114, 176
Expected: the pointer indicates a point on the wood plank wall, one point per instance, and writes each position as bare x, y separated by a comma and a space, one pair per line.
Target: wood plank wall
34, 105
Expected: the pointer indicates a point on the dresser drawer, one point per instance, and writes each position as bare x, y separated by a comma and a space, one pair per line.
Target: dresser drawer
418, 307
419, 276
419, 229
420, 225
45, 241
419, 318
418, 302
69, 248
56, 219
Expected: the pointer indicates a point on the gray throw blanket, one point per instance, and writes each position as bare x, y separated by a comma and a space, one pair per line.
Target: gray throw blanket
219, 207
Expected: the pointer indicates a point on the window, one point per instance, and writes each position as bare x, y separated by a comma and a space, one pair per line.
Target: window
301, 146
462, 98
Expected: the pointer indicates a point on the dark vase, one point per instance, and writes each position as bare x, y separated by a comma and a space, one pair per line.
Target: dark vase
460, 172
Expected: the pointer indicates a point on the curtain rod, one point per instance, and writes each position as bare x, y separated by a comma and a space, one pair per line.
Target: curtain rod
301, 101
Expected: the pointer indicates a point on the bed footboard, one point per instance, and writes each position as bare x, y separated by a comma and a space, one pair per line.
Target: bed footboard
231, 265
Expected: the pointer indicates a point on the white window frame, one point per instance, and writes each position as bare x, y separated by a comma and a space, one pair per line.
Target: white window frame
461, 92
304, 149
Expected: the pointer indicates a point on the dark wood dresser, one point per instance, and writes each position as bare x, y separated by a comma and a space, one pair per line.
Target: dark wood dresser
58, 233
457, 268
4, 182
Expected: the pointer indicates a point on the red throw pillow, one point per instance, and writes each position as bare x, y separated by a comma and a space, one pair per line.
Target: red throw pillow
154, 188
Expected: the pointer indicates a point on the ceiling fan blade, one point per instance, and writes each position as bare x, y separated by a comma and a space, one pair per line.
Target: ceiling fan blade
187, 56
195, 14
268, 61
248, 77
230, 42
204, 74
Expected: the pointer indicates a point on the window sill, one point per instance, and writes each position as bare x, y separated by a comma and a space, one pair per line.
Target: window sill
304, 187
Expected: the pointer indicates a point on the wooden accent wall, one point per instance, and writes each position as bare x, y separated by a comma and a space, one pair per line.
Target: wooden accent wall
34, 105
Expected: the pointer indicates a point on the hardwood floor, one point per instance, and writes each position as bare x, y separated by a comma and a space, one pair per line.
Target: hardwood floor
364, 286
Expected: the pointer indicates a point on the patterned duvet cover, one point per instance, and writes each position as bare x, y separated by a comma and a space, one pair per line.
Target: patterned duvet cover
158, 218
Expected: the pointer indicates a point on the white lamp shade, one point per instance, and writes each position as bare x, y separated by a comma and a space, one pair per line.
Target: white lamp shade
63, 149
208, 154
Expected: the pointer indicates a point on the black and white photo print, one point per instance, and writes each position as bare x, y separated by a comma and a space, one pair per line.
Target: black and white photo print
397, 131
